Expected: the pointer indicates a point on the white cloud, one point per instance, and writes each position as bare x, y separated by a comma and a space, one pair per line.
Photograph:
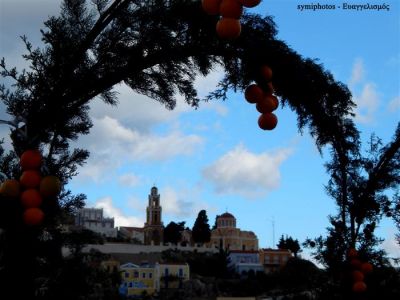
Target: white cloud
390, 245
366, 99
357, 73
120, 219
245, 173
394, 104
367, 104
182, 203
137, 204
112, 144
129, 180
143, 113
137, 111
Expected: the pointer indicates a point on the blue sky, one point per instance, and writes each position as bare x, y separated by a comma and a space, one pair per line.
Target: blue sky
216, 158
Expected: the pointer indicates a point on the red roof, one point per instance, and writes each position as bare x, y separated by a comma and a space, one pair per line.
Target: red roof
132, 228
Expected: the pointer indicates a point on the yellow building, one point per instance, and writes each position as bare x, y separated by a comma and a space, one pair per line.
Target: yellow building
227, 236
171, 275
137, 279
274, 259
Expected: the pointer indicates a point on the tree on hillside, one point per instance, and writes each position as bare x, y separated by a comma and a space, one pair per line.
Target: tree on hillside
289, 243
201, 232
173, 232
157, 48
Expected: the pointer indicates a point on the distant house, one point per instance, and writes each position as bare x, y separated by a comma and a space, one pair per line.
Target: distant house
137, 279
93, 219
131, 233
244, 261
274, 259
171, 275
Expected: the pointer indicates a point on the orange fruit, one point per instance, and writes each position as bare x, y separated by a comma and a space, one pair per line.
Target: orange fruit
366, 267
268, 104
50, 186
266, 73
250, 3
253, 93
228, 28
10, 188
30, 179
358, 276
31, 198
30, 159
33, 216
359, 287
267, 121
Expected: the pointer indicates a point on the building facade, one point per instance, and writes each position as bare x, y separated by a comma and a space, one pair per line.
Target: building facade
245, 261
137, 279
150, 278
153, 228
227, 236
135, 234
93, 219
274, 259
171, 275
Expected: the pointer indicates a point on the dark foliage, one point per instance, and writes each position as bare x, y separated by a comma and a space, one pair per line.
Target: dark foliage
201, 232
173, 232
289, 243
204, 264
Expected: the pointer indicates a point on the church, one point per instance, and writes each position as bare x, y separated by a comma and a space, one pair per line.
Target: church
153, 231
225, 236
153, 228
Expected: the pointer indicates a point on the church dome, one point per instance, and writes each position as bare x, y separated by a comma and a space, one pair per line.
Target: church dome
227, 215
226, 220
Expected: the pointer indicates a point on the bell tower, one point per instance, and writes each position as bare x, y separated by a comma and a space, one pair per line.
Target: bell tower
153, 228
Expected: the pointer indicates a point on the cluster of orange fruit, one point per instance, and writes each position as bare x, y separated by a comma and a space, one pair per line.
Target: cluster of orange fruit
359, 271
264, 99
31, 188
228, 26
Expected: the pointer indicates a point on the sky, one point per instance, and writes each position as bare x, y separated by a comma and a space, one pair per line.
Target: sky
216, 158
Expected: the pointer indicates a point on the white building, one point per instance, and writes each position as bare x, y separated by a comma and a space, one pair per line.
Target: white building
93, 219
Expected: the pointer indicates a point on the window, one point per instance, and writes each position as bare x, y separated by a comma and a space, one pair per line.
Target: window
166, 271
180, 272
143, 275
136, 274
126, 274
130, 284
150, 275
